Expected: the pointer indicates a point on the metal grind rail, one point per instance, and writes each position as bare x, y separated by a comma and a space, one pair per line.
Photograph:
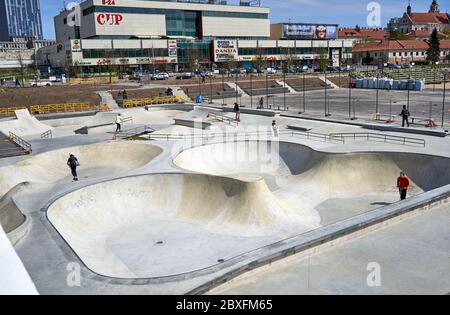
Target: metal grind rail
20, 142
136, 131
223, 118
255, 136
378, 136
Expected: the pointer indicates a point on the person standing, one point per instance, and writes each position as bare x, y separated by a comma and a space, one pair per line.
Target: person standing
402, 185
261, 103
237, 110
275, 128
119, 122
73, 163
405, 116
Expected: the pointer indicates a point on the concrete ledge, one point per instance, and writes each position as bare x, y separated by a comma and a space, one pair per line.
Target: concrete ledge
296, 127
426, 132
260, 112
331, 235
192, 123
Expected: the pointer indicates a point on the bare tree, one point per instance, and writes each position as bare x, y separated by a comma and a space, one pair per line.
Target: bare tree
22, 67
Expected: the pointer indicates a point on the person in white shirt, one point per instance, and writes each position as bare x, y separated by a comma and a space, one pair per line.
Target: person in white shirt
119, 122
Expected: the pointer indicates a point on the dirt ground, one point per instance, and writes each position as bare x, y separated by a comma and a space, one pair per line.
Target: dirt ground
141, 93
12, 97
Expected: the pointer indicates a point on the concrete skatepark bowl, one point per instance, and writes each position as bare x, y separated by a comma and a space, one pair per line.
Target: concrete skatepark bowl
97, 160
162, 225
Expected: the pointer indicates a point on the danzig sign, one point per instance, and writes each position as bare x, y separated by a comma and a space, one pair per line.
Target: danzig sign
225, 50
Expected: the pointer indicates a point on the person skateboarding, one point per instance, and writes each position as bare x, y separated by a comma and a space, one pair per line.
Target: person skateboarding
237, 110
119, 122
402, 185
73, 163
405, 116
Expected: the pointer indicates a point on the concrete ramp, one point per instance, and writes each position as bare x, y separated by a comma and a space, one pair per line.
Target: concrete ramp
96, 160
169, 224
24, 124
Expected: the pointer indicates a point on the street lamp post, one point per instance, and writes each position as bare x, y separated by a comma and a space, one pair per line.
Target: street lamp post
408, 88
443, 100
304, 92
223, 88
251, 89
350, 94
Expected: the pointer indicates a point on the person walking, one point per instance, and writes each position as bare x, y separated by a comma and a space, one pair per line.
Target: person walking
261, 103
237, 110
119, 122
275, 128
402, 185
73, 163
405, 116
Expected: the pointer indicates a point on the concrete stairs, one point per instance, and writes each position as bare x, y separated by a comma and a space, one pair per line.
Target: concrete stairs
8, 148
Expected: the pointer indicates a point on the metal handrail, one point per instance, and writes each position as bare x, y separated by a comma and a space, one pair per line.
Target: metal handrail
137, 131
378, 136
46, 135
20, 142
224, 118
245, 136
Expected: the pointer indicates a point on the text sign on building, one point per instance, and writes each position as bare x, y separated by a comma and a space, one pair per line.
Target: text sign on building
172, 46
225, 50
309, 31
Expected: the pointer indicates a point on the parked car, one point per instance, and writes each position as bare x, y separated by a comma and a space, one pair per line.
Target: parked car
41, 83
185, 76
393, 66
160, 76
271, 71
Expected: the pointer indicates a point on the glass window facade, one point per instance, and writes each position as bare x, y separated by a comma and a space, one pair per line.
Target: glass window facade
124, 53
20, 18
182, 23
191, 51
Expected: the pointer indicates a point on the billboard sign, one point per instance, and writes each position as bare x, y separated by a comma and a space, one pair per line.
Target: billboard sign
172, 45
225, 50
309, 31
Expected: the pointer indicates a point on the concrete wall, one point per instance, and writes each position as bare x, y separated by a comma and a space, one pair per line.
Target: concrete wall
235, 27
14, 278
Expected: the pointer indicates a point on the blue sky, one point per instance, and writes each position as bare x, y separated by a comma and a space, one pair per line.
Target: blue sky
342, 12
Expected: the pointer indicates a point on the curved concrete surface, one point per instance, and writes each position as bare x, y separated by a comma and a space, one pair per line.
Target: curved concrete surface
97, 160
10, 216
301, 176
24, 124
169, 224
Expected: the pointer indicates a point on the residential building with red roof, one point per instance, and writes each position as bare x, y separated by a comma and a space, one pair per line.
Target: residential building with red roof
396, 51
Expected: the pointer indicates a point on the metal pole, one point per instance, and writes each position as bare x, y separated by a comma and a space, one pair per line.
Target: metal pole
210, 90
236, 83
409, 90
267, 89
443, 100
284, 90
349, 95
304, 92
223, 88
434, 81
326, 99
376, 102
251, 89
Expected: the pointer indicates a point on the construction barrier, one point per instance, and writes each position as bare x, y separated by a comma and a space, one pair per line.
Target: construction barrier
54, 108
138, 102
96, 80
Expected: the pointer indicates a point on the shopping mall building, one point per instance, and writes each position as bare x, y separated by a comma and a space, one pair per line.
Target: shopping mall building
185, 34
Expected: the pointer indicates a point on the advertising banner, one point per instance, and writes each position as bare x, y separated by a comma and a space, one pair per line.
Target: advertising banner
309, 31
225, 50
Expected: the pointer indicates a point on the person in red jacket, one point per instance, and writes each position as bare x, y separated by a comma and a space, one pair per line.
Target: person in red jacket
403, 185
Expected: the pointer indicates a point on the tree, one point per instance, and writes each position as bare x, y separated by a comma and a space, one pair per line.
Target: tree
22, 66
434, 51
397, 35
323, 59
259, 61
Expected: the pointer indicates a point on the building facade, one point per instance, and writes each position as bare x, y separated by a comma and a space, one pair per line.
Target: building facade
20, 18
397, 52
184, 35
421, 21
128, 19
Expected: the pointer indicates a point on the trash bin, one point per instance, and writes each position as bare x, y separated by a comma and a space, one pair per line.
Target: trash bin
198, 99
